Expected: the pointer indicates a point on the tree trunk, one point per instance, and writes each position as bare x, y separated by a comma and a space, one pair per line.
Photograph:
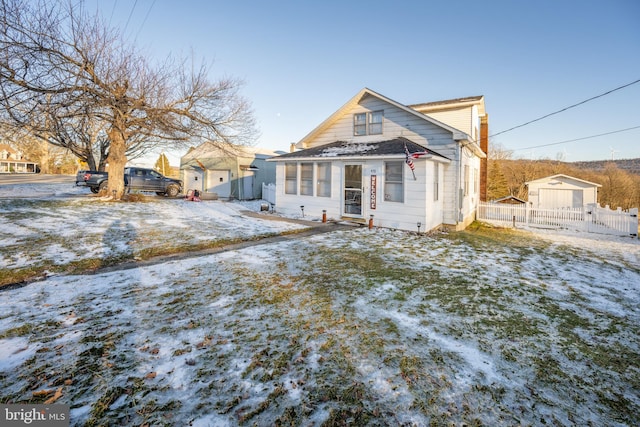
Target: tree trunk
117, 160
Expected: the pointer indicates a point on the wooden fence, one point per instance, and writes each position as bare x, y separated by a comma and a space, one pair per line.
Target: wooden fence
591, 218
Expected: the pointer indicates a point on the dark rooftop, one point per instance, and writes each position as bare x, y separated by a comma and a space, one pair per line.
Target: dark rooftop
350, 149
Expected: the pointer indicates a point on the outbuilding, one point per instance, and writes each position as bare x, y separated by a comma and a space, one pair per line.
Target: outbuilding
561, 192
227, 171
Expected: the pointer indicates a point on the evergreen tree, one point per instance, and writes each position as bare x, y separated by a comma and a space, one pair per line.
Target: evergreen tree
162, 165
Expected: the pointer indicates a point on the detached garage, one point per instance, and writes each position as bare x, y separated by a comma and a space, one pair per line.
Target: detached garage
561, 192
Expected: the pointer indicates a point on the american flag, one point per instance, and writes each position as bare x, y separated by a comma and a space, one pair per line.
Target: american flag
409, 159
418, 154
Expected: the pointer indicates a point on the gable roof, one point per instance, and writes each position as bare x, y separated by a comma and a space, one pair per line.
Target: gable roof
446, 104
561, 176
345, 149
457, 134
213, 149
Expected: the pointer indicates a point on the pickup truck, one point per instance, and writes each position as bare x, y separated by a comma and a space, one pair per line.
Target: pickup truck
142, 179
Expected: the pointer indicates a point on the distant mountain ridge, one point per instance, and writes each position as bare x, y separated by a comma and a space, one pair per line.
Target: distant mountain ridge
629, 165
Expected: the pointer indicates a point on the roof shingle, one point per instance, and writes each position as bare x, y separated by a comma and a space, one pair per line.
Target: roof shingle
361, 149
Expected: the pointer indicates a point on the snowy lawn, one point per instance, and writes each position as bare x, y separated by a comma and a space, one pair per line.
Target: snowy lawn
364, 327
41, 236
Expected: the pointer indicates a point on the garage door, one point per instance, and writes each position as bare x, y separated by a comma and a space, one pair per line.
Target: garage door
551, 198
219, 182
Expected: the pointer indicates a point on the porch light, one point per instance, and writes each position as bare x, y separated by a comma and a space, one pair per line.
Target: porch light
302, 209
419, 225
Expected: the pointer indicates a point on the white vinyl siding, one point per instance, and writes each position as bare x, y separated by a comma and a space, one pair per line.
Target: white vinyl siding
417, 130
436, 181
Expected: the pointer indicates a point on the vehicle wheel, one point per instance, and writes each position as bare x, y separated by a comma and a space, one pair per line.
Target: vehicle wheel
160, 193
95, 190
172, 191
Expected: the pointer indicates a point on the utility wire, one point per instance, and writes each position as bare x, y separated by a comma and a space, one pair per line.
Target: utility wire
578, 139
130, 14
145, 19
566, 108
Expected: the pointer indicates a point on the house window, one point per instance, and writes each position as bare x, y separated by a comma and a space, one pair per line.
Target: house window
368, 123
291, 178
306, 179
466, 180
393, 182
436, 181
475, 180
324, 180
375, 123
360, 124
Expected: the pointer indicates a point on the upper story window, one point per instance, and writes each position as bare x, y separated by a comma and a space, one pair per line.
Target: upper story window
368, 123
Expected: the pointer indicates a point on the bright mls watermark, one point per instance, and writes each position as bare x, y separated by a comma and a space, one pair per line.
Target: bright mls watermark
34, 415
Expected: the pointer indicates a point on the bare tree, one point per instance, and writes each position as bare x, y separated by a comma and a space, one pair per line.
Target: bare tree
68, 78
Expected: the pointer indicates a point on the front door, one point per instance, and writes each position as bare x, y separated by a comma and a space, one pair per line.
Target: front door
353, 191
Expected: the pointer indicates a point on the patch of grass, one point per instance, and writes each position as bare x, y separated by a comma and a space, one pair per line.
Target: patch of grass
18, 331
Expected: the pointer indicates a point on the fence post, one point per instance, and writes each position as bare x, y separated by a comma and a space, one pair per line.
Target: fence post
526, 213
633, 226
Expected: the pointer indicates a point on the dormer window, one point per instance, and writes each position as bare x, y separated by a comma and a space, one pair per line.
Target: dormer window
368, 123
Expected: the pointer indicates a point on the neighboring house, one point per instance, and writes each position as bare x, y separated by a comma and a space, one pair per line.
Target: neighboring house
12, 161
232, 172
355, 164
561, 191
509, 200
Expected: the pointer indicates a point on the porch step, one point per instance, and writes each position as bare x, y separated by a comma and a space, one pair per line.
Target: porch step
353, 221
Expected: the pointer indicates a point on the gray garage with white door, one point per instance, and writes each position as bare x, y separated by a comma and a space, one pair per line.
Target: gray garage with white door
561, 192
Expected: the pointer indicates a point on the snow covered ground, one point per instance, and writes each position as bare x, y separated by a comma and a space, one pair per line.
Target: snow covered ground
357, 326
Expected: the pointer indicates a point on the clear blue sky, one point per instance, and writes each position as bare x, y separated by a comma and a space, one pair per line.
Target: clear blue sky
302, 60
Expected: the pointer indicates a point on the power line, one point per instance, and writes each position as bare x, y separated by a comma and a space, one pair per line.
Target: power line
566, 108
145, 19
578, 139
130, 14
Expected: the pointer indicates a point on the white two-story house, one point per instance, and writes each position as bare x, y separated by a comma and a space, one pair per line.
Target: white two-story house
411, 167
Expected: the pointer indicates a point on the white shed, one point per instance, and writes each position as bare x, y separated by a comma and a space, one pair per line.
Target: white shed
561, 192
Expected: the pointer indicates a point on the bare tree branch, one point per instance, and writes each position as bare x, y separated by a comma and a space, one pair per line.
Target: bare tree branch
69, 79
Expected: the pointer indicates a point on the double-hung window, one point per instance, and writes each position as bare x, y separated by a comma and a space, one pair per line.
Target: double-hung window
393, 182
291, 178
466, 180
306, 179
360, 124
368, 123
375, 122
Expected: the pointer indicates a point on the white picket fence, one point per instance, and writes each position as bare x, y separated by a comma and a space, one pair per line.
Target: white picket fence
591, 218
269, 193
